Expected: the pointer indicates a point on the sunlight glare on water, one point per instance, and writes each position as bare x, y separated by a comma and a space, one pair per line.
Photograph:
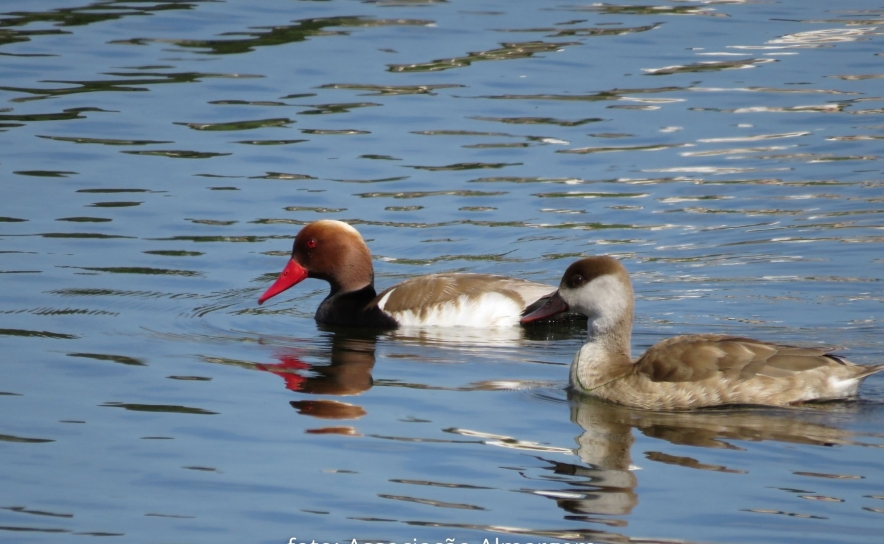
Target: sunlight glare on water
158, 157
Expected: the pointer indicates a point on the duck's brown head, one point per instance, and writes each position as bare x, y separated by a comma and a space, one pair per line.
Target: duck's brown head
327, 250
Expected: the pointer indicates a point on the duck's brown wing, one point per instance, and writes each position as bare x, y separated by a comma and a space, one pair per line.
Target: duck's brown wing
698, 357
424, 292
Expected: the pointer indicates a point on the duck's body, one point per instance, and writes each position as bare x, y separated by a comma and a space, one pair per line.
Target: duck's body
335, 252
696, 371
686, 372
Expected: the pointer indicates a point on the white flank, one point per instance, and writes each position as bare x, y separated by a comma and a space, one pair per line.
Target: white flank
384, 299
843, 388
488, 310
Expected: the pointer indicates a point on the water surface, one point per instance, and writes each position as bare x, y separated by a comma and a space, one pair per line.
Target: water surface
158, 157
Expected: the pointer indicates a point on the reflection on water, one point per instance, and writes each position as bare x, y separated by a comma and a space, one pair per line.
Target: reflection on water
599, 481
607, 481
342, 363
348, 372
154, 155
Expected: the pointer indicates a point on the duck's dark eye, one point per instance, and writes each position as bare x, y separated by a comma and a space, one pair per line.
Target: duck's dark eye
576, 280
311, 243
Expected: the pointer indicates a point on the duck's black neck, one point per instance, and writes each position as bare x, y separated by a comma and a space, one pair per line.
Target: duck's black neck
354, 309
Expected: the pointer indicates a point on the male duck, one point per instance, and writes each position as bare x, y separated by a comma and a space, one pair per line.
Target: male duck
335, 252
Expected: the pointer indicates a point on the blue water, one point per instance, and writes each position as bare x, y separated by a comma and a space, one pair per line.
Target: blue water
157, 158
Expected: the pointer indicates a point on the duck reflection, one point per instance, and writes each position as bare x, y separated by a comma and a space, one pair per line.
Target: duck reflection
605, 483
348, 356
351, 359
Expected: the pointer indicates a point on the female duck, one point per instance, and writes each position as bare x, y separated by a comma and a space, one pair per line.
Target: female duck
335, 252
686, 372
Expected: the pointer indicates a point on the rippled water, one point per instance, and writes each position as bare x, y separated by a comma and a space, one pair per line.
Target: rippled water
157, 158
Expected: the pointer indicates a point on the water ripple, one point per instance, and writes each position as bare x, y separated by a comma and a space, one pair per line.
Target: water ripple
509, 51
758, 213
277, 35
392, 90
240, 125
163, 408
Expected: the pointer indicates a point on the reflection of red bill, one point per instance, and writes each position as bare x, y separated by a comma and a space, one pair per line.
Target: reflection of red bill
284, 370
292, 274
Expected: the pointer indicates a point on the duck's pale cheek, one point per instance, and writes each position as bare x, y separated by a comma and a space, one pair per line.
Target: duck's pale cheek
605, 296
